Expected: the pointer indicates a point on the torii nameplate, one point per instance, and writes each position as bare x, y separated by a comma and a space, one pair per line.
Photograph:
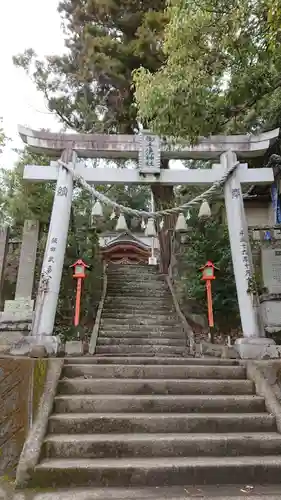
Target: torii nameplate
127, 146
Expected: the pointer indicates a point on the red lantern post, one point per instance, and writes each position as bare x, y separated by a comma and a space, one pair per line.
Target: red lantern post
79, 274
208, 274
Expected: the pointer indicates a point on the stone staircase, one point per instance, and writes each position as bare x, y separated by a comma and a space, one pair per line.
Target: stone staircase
136, 422
140, 414
139, 317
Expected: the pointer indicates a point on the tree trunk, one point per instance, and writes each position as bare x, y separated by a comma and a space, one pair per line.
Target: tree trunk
164, 198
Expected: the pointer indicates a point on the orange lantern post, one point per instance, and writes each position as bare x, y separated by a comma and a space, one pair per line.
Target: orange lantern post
79, 274
208, 274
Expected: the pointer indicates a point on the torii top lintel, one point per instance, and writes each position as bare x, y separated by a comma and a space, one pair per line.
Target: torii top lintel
127, 146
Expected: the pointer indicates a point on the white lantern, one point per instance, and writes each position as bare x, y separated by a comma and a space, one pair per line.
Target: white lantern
181, 225
205, 211
121, 224
97, 210
150, 228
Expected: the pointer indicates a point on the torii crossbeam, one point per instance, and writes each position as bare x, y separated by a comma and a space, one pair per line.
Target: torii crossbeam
149, 149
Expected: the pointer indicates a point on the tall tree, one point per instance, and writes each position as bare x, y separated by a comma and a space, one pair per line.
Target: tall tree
89, 87
222, 70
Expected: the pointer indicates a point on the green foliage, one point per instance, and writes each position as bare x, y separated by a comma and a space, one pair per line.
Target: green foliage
40, 368
222, 70
26, 200
209, 241
2, 137
89, 87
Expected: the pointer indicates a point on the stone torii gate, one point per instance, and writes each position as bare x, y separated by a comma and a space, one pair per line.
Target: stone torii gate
149, 149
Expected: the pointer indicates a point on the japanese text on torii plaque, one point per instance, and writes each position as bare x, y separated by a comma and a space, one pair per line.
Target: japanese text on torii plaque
149, 154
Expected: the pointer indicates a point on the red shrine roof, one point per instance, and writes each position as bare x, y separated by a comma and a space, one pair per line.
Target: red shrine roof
125, 238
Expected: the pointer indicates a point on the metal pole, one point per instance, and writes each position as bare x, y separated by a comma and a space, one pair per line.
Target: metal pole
152, 260
78, 302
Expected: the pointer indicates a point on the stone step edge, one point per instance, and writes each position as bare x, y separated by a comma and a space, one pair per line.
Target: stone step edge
157, 416
158, 462
141, 437
144, 397
142, 361
215, 381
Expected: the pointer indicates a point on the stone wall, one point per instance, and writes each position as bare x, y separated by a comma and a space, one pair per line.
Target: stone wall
21, 386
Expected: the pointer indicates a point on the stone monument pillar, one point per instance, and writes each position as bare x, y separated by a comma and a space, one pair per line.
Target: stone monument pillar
22, 305
16, 320
271, 298
27, 263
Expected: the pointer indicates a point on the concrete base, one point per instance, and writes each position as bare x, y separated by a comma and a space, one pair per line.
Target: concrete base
27, 344
152, 261
74, 348
257, 348
216, 350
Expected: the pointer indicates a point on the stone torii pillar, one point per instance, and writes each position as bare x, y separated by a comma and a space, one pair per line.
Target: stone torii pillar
47, 299
147, 147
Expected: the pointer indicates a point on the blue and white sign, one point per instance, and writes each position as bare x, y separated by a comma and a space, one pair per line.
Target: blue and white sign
276, 204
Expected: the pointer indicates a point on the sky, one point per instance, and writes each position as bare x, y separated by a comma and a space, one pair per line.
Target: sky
25, 24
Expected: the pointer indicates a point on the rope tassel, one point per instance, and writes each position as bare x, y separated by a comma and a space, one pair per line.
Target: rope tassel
121, 224
205, 210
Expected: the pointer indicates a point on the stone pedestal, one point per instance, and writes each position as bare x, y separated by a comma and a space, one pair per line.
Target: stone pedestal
271, 312
257, 348
74, 348
31, 344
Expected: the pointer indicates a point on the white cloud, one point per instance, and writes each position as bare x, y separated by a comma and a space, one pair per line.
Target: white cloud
25, 24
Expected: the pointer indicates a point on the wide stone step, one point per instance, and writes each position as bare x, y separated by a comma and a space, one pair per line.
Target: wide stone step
119, 298
142, 316
154, 386
117, 360
157, 404
135, 271
157, 471
102, 340
140, 320
155, 372
139, 309
161, 445
140, 293
139, 279
152, 328
269, 492
90, 423
140, 349
144, 334
135, 287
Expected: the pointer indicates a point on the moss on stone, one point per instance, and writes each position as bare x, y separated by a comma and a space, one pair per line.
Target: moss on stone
39, 376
